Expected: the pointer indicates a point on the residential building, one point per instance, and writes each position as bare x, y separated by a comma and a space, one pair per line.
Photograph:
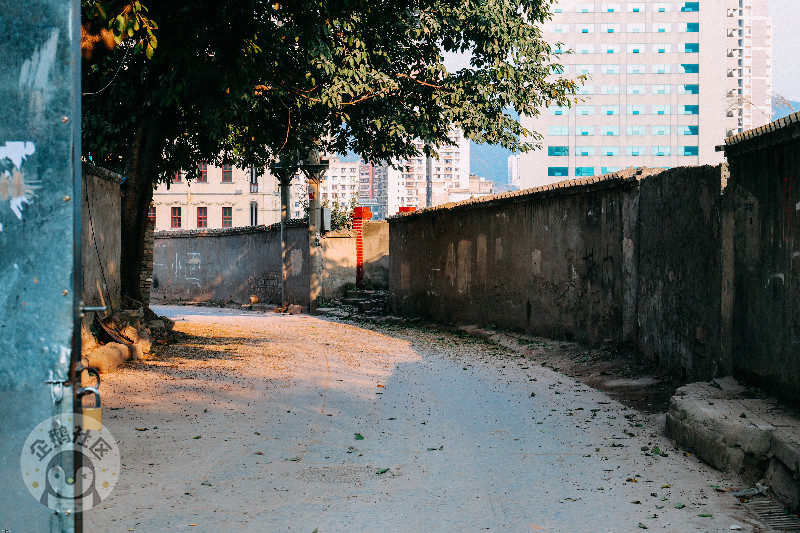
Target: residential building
223, 197
513, 170
665, 83
477, 187
339, 186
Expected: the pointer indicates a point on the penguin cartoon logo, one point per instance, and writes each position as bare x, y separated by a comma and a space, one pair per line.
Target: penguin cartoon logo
59, 484
64, 465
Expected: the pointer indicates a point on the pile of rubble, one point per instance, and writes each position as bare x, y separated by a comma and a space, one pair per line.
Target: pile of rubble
360, 304
107, 342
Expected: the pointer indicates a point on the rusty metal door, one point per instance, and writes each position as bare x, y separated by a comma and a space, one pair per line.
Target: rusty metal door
39, 256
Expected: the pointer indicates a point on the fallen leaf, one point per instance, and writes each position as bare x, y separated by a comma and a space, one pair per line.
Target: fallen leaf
680, 505
359, 436
705, 515
294, 459
197, 437
141, 429
382, 471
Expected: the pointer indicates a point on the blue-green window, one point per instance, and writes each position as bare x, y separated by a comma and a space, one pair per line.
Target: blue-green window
690, 68
608, 170
690, 6
691, 89
690, 130
691, 48
691, 109
692, 27
690, 150
558, 150
558, 171
584, 171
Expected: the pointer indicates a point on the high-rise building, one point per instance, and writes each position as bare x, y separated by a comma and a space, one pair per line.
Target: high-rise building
665, 83
339, 186
513, 169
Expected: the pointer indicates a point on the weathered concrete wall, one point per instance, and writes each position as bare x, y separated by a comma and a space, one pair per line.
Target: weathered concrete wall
101, 237
765, 199
679, 271
555, 261
230, 265
376, 254
337, 263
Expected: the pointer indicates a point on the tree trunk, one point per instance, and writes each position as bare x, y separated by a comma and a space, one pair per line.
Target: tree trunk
140, 171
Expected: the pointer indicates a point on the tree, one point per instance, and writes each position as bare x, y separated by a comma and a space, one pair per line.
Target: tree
251, 82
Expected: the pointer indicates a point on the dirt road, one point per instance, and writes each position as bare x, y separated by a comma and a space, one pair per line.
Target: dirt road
267, 423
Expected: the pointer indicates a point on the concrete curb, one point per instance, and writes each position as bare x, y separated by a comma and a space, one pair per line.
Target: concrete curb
755, 438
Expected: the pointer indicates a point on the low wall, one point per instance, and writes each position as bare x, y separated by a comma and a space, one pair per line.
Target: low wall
101, 238
555, 261
765, 234
230, 265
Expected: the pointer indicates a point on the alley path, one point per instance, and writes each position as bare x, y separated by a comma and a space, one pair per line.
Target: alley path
253, 422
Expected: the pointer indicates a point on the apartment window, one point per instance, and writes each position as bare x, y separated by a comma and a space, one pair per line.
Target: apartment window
177, 177
227, 173
151, 214
560, 28
609, 170
609, 28
634, 150
609, 130
661, 130
253, 180
689, 130
609, 150
609, 110
661, 68
635, 48
691, 109
661, 109
636, 8
662, 7
558, 130
559, 110
584, 69
636, 27
175, 217
557, 151
584, 171
661, 89
635, 130
612, 48
585, 89
558, 171
202, 172
584, 150
662, 48
661, 27
636, 69
253, 214
661, 150
559, 69
610, 8
690, 150
690, 6
584, 8
227, 217
586, 48
585, 28
609, 89
609, 69
689, 89
690, 68
202, 217
691, 48
584, 110
584, 130
635, 110
692, 27
635, 89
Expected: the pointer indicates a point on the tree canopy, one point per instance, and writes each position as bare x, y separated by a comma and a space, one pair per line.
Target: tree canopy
253, 81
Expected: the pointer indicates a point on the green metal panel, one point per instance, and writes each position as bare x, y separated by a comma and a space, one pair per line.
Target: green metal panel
39, 225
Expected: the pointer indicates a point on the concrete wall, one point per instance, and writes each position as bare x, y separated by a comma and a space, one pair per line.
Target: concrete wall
765, 282
230, 265
555, 261
679, 271
101, 237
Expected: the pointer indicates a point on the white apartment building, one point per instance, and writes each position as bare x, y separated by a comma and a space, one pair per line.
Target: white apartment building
513, 169
223, 197
665, 83
407, 186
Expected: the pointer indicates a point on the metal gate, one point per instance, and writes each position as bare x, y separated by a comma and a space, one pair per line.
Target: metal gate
39, 258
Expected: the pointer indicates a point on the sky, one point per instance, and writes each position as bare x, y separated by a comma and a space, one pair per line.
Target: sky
785, 47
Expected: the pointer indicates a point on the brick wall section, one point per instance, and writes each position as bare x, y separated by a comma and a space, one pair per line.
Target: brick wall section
764, 189
550, 261
679, 271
